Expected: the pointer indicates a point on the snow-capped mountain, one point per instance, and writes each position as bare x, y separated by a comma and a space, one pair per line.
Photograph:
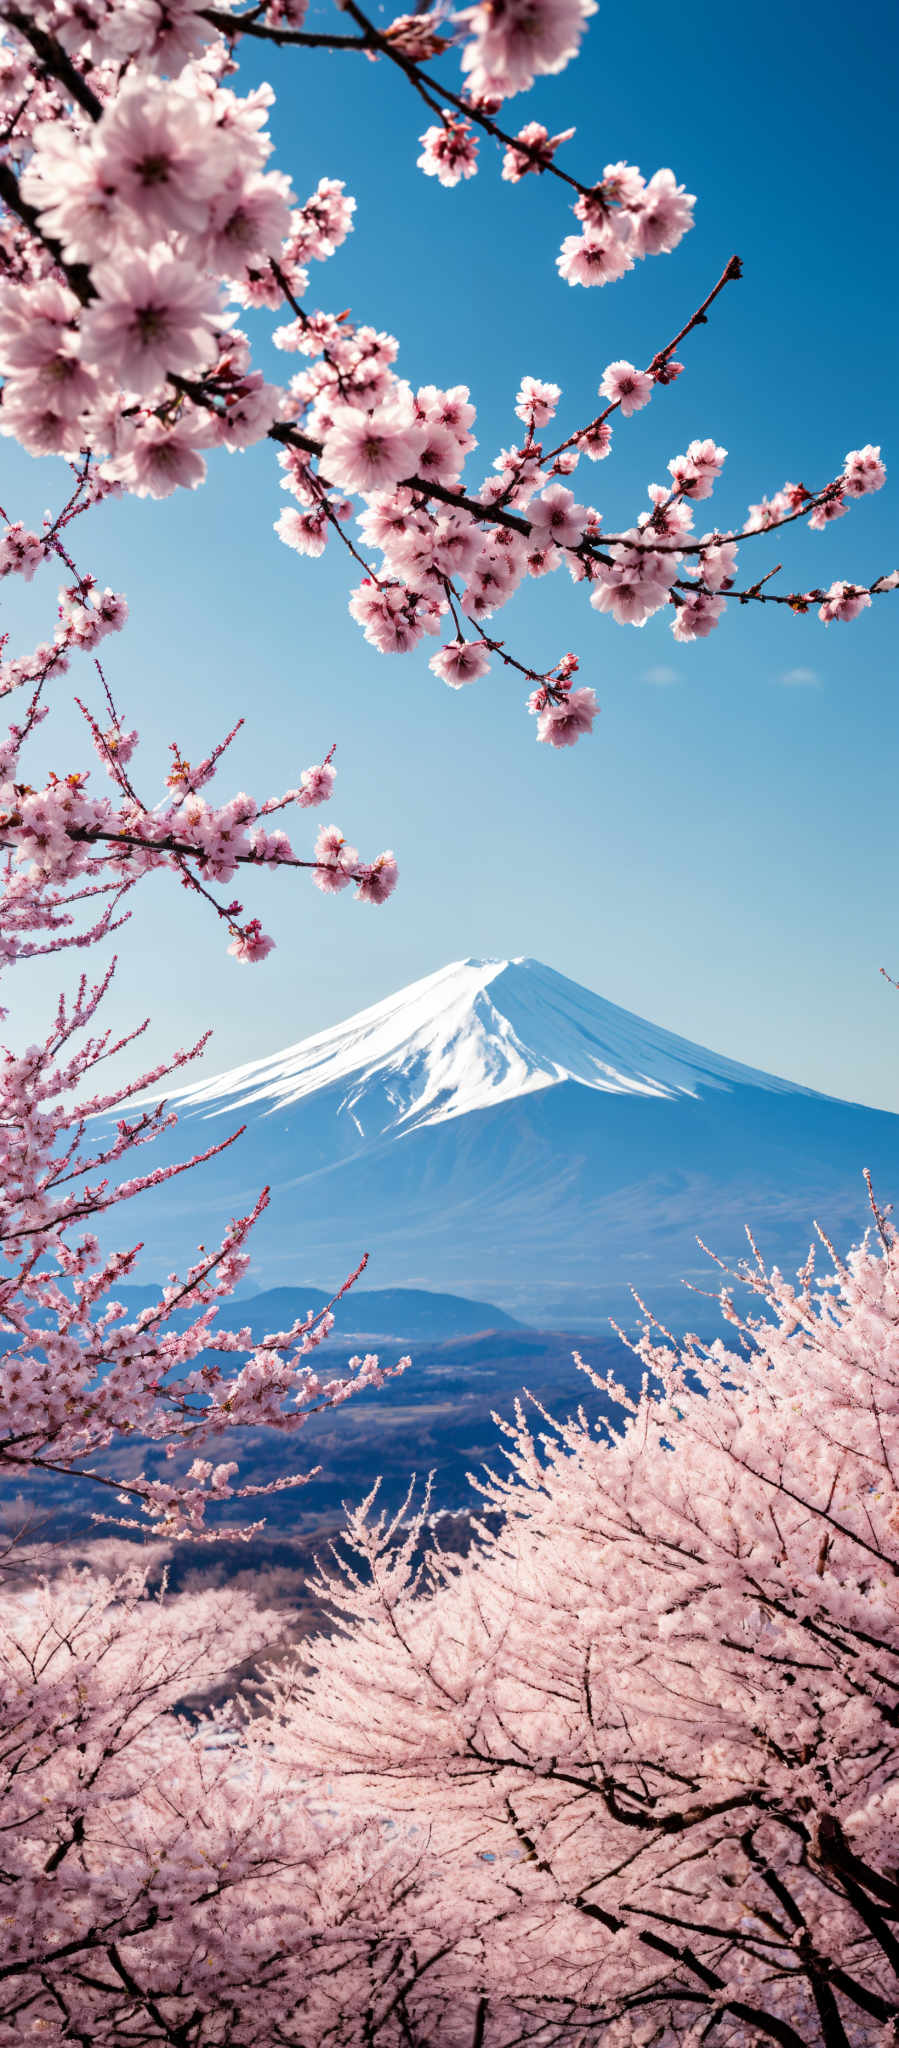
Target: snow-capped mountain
478, 1033
495, 1128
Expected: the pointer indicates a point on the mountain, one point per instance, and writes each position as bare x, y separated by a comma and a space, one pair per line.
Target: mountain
497, 1129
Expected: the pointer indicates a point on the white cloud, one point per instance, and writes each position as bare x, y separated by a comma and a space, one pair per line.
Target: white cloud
800, 675
660, 674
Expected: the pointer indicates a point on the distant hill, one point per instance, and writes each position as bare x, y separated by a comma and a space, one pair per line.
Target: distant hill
403, 1312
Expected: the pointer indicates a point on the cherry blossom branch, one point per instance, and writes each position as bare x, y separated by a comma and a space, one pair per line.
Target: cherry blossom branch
732, 272
233, 25
432, 90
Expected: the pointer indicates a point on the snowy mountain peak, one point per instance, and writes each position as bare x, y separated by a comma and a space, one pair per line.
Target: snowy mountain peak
475, 1034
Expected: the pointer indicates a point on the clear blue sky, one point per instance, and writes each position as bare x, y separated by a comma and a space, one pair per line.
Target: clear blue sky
721, 856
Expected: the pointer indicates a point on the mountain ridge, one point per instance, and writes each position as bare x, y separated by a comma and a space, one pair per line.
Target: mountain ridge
399, 1312
495, 1130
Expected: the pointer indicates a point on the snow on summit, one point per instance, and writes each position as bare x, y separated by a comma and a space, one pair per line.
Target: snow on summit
476, 1034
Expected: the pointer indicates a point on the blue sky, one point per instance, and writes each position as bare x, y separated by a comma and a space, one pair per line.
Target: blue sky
721, 855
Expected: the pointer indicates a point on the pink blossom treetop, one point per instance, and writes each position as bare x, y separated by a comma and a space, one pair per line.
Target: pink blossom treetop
142, 216
658, 1697
161, 1882
626, 1772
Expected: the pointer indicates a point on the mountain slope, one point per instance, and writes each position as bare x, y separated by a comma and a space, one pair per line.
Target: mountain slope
496, 1129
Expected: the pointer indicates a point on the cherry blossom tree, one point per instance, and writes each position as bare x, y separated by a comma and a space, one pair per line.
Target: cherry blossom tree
142, 218
141, 1846
160, 1881
658, 1696
79, 1373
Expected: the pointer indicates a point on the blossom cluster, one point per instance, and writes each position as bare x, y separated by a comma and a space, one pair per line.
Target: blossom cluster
143, 216
64, 839
78, 1369
64, 831
77, 1376
434, 562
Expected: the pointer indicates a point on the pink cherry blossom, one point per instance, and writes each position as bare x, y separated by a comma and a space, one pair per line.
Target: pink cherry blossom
440, 456
697, 1575
336, 860
414, 35
662, 215
626, 387
164, 33
457, 544
307, 532
87, 615
463, 661
843, 601
42, 426
251, 944
668, 370
554, 516
136, 146
498, 570
717, 564
636, 586
78, 1376
623, 184
20, 552
115, 748
450, 150
696, 473
250, 410
863, 471
248, 221
767, 513
671, 517
375, 883
153, 314
452, 409
596, 441
832, 507
520, 40
161, 154
695, 617
593, 258
540, 148
316, 784
67, 182
391, 619
155, 458
39, 346
562, 724
536, 402
368, 451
